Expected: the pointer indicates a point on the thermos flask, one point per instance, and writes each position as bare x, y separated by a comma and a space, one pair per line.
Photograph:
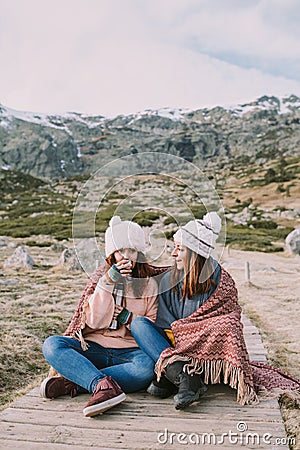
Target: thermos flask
118, 295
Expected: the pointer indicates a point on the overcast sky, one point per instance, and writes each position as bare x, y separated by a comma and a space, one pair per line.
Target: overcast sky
121, 56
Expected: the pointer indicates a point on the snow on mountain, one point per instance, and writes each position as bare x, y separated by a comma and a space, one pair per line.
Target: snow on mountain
168, 113
52, 121
281, 105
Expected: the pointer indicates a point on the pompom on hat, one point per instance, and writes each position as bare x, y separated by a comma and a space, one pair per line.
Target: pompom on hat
124, 234
200, 235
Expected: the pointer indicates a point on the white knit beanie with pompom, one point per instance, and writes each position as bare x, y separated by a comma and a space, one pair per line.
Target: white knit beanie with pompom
200, 235
124, 234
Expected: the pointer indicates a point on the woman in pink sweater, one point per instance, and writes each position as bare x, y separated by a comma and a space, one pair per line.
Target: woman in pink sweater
103, 358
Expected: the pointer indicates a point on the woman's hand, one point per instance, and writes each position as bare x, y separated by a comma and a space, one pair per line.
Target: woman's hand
124, 267
117, 311
119, 270
122, 315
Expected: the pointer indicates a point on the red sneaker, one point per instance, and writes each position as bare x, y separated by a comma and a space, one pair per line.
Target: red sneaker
106, 395
53, 387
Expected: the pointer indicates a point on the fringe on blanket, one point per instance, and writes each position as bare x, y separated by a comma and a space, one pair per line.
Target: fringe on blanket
212, 371
79, 337
78, 333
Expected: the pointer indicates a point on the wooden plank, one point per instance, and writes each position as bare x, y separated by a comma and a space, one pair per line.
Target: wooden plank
71, 417
257, 351
90, 437
216, 394
32, 422
254, 341
77, 436
250, 329
29, 445
16, 445
213, 401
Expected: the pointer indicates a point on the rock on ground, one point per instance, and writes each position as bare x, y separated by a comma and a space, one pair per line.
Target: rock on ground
20, 258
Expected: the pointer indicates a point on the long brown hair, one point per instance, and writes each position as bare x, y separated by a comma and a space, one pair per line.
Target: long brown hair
142, 270
197, 268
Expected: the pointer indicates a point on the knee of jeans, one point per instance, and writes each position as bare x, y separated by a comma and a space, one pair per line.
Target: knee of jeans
138, 324
50, 346
145, 371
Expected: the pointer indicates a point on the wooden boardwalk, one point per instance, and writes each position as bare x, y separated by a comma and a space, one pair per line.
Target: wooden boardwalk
144, 422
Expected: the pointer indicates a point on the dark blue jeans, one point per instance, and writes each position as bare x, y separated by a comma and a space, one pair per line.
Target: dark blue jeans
149, 337
130, 367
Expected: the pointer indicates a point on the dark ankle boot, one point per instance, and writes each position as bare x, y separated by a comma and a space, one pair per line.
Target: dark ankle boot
190, 387
162, 388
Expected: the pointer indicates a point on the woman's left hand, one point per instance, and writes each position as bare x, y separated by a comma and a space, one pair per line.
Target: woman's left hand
117, 311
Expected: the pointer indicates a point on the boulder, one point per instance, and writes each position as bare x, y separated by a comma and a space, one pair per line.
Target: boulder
69, 260
58, 247
90, 253
20, 258
292, 241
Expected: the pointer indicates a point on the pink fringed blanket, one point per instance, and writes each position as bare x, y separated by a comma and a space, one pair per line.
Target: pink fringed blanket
211, 340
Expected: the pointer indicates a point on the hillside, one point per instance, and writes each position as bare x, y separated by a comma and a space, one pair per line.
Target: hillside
56, 146
248, 159
261, 204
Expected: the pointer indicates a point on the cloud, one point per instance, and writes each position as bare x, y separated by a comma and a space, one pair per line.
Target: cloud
123, 56
234, 31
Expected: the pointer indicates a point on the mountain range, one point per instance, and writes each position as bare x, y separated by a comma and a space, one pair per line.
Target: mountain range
61, 146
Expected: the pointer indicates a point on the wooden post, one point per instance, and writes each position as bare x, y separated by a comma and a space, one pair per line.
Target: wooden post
247, 271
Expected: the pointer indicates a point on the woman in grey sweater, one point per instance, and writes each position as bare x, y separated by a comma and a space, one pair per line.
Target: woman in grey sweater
183, 290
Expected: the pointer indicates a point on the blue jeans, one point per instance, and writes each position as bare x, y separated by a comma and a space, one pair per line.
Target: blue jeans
149, 337
131, 368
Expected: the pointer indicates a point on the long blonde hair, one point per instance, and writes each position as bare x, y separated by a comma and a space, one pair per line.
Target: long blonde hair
196, 269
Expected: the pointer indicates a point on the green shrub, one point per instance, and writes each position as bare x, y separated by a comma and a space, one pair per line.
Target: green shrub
169, 220
280, 188
169, 234
143, 222
260, 239
57, 226
265, 224
198, 211
39, 244
146, 218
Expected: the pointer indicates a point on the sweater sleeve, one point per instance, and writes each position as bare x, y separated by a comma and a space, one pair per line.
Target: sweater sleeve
164, 314
100, 306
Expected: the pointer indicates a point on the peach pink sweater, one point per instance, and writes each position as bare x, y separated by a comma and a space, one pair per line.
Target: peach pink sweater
99, 309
